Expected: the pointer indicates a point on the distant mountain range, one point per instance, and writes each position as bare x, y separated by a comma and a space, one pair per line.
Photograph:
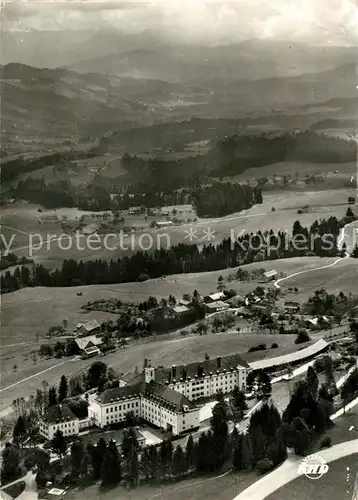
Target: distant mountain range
52, 105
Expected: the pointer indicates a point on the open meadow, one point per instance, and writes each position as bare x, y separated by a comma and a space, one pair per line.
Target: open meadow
20, 221
161, 352
31, 311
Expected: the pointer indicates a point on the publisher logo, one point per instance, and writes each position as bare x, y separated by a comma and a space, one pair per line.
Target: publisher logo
313, 467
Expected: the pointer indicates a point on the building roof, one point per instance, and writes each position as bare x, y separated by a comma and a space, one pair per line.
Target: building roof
269, 274
217, 305
49, 217
216, 296
84, 342
180, 309
132, 378
193, 370
290, 358
59, 413
166, 396
91, 350
119, 393
89, 326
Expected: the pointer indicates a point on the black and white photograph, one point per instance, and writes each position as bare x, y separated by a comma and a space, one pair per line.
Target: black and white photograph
179, 250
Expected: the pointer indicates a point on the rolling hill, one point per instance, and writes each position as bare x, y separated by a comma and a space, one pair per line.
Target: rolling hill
43, 109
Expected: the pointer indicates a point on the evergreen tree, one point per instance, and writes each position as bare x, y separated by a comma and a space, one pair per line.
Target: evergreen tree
10, 462
166, 456
190, 452
77, 458
247, 452
300, 436
59, 444
63, 389
19, 432
97, 456
52, 397
111, 472
153, 462
239, 402
178, 466
133, 469
145, 463
312, 381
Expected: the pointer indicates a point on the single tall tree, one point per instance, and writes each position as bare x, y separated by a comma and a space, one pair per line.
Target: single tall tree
63, 389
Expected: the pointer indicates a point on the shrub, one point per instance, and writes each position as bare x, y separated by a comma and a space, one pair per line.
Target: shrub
326, 442
274, 345
260, 347
264, 465
302, 337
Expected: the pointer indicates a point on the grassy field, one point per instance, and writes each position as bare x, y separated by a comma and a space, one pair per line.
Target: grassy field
332, 486
307, 168
160, 352
216, 488
31, 310
260, 217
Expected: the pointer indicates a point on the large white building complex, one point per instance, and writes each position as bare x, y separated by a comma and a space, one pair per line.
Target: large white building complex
162, 396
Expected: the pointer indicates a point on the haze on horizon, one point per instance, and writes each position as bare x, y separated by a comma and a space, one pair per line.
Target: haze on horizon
317, 22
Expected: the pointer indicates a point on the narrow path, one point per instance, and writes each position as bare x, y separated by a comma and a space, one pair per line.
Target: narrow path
309, 271
288, 471
35, 375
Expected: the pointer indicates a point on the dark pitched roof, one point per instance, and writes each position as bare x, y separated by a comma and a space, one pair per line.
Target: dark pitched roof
59, 413
198, 369
167, 397
131, 378
119, 393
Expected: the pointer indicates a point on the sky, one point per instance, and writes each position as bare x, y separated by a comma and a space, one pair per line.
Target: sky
310, 21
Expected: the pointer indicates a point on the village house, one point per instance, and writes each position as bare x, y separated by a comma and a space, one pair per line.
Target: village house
292, 307
268, 276
219, 305
214, 297
48, 218
87, 346
91, 327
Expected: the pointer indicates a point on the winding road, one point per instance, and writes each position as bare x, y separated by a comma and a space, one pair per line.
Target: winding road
306, 271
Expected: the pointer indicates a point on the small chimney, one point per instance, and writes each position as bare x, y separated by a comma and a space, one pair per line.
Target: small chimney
174, 371
219, 362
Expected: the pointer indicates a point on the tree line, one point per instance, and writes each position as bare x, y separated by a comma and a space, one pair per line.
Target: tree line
182, 258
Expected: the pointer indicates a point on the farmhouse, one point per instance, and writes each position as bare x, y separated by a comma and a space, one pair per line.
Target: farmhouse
90, 229
181, 309
164, 223
219, 305
89, 327
148, 399
292, 307
294, 357
87, 346
214, 297
48, 218
268, 276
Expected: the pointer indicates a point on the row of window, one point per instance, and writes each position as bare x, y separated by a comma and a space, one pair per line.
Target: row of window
122, 407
